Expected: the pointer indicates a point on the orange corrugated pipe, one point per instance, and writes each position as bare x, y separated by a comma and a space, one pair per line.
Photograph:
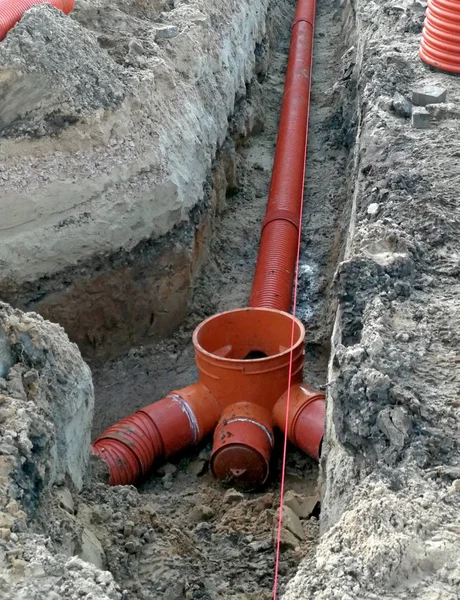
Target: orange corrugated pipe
244, 355
275, 269
440, 45
156, 432
11, 11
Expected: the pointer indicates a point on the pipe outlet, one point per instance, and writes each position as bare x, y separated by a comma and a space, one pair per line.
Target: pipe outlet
243, 441
305, 420
181, 419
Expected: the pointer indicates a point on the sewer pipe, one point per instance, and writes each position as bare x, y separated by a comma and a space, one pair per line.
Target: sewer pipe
11, 11
440, 45
244, 356
275, 268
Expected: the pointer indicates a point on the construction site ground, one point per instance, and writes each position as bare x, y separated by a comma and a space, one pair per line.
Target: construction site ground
133, 190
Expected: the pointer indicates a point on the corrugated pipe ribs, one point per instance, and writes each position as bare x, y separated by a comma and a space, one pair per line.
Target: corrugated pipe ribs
245, 357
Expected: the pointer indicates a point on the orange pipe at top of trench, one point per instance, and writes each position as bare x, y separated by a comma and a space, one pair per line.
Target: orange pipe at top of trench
275, 268
11, 11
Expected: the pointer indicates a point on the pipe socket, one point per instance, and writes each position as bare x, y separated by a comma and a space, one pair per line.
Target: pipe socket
12, 11
244, 354
440, 43
304, 420
243, 442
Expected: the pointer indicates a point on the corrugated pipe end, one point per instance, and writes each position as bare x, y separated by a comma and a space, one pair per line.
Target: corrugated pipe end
243, 441
440, 44
11, 11
307, 410
131, 446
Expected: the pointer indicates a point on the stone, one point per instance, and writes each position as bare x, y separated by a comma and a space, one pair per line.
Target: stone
73, 563
196, 467
264, 502
302, 506
166, 33
201, 513
65, 500
287, 539
420, 118
12, 507
128, 528
291, 522
232, 496
401, 106
132, 547
430, 94
91, 549
373, 209
6, 521
167, 469
167, 481
135, 47
175, 592
6, 360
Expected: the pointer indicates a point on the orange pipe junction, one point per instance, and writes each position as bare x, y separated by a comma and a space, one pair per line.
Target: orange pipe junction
440, 44
244, 355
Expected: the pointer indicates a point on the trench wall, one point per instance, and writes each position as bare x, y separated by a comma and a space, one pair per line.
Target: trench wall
114, 159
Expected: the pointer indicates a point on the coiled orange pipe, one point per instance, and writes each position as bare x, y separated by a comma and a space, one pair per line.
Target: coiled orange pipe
11, 11
275, 269
440, 45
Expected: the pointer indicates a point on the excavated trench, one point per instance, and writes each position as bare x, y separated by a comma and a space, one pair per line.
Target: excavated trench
181, 534
132, 238
211, 541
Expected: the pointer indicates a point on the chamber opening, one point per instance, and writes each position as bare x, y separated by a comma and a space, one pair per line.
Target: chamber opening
248, 334
255, 354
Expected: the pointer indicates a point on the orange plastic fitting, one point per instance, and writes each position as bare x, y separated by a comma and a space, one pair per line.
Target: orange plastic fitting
275, 268
181, 419
244, 355
440, 45
243, 441
305, 419
243, 360
11, 11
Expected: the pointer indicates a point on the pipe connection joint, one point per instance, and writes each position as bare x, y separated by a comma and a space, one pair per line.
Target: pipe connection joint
244, 359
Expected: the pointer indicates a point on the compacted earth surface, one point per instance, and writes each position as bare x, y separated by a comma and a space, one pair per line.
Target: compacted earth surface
379, 291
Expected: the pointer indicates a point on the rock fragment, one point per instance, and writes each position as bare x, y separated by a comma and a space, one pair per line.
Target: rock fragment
232, 496
91, 549
430, 94
420, 118
302, 506
401, 106
166, 33
373, 209
291, 528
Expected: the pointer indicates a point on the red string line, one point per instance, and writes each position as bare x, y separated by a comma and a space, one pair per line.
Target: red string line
294, 309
